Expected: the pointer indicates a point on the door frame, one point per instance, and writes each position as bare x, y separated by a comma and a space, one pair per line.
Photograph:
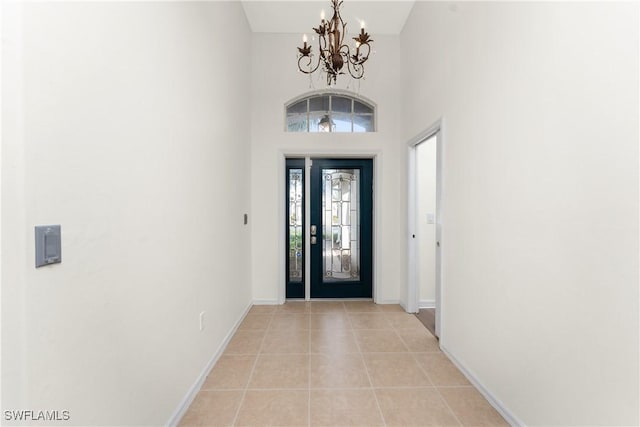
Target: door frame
283, 154
413, 288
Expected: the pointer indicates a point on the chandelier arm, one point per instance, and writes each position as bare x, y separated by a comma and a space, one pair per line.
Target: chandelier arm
326, 61
362, 58
356, 70
322, 47
344, 29
343, 54
308, 65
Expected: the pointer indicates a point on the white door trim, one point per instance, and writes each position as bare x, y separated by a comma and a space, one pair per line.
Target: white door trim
376, 156
413, 289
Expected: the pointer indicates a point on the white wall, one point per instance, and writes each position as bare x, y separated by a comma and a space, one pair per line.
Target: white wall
540, 202
426, 232
125, 123
276, 80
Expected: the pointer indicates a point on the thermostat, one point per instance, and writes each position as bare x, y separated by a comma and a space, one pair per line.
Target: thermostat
48, 245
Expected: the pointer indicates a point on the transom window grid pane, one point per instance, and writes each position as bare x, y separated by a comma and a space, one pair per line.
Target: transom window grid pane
340, 224
330, 113
296, 258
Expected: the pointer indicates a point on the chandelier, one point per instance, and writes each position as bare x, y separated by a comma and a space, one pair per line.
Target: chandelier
333, 52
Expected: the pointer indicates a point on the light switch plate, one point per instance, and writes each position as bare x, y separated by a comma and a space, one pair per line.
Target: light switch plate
48, 245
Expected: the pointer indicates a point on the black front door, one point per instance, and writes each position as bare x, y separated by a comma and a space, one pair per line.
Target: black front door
341, 228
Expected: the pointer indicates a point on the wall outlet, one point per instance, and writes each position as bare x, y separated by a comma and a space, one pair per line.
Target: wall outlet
202, 321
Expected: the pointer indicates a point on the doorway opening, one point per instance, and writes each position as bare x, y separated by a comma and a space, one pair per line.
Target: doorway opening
425, 226
329, 228
426, 242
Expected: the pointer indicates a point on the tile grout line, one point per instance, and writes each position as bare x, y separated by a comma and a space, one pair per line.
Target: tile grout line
396, 330
364, 362
437, 390
400, 338
455, 416
394, 387
447, 405
253, 368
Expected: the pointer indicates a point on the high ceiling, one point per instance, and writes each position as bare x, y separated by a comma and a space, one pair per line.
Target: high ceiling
381, 17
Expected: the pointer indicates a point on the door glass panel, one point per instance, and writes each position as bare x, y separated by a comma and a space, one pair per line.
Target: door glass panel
342, 122
341, 230
359, 107
341, 105
319, 103
363, 123
296, 258
297, 123
298, 107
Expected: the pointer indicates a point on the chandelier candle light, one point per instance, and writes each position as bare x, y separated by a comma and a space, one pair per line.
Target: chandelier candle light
333, 52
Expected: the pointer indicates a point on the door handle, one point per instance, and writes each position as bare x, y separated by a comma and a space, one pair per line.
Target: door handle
438, 243
313, 240
314, 230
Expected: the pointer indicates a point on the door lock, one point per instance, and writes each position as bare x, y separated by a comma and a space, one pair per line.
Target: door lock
313, 240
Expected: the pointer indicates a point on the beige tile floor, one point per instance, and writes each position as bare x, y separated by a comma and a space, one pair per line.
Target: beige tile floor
336, 364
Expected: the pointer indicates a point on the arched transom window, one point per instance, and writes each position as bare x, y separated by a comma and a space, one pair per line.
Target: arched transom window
330, 112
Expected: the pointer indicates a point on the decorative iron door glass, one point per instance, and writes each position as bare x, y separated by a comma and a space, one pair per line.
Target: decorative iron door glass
295, 228
340, 229
341, 214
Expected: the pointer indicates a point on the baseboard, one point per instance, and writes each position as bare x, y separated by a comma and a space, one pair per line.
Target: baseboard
404, 306
388, 301
265, 302
495, 402
193, 391
275, 302
427, 303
